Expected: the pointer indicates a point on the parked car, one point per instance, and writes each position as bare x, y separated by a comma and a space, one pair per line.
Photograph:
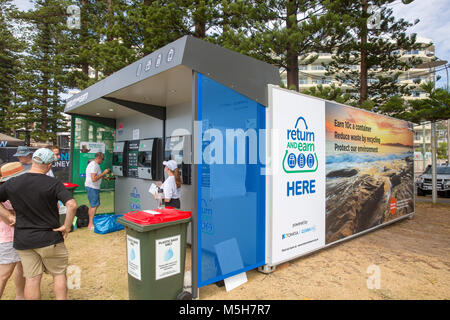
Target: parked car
424, 183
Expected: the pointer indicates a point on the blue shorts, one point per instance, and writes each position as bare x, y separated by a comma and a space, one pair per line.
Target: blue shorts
93, 197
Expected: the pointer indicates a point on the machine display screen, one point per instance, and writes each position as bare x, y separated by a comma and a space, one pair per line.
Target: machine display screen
145, 159
175, 150
117, 159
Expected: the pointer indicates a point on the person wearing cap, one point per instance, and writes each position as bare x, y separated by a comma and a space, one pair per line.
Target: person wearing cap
24, 153
172, 185
38, 236
55, 150
94, 176
9, 259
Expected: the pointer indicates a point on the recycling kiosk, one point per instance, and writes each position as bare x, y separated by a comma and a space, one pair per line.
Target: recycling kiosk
156, 251
269, 174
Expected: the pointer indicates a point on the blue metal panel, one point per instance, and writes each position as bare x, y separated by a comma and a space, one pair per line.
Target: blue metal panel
231, 182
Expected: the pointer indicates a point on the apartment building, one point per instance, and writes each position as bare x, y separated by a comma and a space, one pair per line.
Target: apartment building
422, 140
313, 74
422, 135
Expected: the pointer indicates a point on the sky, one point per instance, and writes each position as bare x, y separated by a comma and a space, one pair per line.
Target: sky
434, 23
388, 132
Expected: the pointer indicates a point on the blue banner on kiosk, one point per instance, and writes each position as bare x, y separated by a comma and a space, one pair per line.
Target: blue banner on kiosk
231, 182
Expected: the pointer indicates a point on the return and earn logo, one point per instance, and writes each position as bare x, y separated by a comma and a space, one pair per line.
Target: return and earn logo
300, 155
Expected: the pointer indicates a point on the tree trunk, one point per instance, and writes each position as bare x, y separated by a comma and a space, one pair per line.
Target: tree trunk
45, 77
109, 23
147, 48
44, 107
5, 110
363, 73
291, 54
54, 123
84, 33
199, 23
200, 30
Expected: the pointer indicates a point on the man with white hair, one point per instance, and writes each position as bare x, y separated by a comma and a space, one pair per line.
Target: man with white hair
38, 236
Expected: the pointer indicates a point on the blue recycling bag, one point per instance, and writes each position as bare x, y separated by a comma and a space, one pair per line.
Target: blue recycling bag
106, 223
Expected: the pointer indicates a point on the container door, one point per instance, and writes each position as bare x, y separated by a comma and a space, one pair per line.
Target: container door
231, 182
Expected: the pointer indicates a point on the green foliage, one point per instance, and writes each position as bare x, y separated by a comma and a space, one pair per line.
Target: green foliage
331, 92
38, 87
373, 49
286, 31
442, 150
10, 65
433, 108
51, 58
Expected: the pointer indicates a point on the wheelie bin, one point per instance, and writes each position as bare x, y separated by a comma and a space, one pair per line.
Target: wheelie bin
62, 212
156, 251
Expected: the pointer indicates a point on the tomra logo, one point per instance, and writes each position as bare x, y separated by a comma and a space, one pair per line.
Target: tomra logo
300, 155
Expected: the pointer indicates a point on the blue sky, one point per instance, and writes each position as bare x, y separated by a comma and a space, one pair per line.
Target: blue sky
434, 23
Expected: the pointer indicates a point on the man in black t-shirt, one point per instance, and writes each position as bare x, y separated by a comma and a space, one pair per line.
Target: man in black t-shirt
38, 236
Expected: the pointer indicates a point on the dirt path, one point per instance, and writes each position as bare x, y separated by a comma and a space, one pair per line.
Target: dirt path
413, 257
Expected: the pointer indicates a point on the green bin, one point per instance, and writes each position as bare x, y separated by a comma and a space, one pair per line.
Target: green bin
156, 251
71, 187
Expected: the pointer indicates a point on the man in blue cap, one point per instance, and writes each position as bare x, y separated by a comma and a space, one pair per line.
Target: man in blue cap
24, 154
38, 235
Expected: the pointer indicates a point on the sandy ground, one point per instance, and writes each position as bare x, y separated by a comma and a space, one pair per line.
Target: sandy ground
413, 257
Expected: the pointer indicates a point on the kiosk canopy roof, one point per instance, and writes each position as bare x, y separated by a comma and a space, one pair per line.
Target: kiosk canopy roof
164, 78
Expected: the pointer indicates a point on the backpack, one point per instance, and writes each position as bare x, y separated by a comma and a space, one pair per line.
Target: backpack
82, 216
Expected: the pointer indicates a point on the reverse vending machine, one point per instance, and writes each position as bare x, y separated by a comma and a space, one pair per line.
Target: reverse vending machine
131, 158
117, 165
149, 163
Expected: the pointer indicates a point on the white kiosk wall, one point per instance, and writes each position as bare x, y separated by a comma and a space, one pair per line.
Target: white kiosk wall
132, 193
140, 126
296, 179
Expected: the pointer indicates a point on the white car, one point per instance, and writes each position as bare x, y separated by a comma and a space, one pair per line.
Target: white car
424, 183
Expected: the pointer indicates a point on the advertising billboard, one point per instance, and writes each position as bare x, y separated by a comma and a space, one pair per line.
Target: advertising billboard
336, 171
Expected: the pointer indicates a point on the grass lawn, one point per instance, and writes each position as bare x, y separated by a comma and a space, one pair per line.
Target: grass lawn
102, 263
412, 254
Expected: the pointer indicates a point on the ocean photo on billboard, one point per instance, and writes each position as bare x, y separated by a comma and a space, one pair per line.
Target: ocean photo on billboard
366, 189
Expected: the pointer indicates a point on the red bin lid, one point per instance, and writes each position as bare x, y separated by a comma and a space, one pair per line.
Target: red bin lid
162, 216
70, 185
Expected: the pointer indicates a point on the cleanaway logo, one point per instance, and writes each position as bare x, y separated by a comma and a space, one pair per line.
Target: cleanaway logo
300, 155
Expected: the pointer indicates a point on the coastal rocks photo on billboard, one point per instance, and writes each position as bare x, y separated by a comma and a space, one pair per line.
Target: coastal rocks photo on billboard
358, 200
369, 171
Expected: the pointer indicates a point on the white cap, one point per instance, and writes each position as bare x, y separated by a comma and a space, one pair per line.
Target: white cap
171, 164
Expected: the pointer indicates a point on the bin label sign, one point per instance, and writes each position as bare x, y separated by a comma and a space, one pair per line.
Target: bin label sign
134, 257
167, 257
